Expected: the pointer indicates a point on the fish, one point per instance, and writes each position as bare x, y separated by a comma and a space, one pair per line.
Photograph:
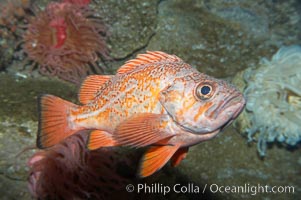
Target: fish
155, 100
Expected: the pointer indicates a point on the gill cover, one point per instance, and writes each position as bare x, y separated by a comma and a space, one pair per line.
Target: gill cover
183, 101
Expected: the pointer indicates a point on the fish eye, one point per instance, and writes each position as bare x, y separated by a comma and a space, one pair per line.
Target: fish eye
204, 91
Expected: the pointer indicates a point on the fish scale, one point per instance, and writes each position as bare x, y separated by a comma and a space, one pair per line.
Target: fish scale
155, 100
127, 98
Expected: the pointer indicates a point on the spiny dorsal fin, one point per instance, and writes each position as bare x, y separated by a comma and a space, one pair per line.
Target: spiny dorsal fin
149, 57
91, 85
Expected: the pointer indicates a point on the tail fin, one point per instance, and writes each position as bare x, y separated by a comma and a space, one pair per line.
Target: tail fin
53, 120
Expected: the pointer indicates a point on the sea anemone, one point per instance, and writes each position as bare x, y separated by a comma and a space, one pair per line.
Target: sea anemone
69, 171
65, 40
78, 2
273, 95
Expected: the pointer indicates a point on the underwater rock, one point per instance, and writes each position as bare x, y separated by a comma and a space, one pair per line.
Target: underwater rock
13, 189
18, 128
229, 161
223, 37
202, 37
218, 37
256, 23
12, 13
262, 19
273, 109
6, 49
226, 160
216, 46
131, 24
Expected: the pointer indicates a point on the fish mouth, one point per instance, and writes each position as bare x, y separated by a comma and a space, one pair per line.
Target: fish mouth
219, 116
232, 105
226, 124
210, 135
236, 106
232, 109
206, 134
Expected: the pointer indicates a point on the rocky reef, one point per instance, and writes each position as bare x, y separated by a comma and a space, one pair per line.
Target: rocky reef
18, 128
219, 38
226, 160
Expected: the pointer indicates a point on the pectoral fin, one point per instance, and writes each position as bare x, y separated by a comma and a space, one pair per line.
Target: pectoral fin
142, 130
179, 156
155, 158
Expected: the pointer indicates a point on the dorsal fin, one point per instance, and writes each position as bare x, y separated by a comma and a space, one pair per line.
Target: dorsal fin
149, 57
91, 85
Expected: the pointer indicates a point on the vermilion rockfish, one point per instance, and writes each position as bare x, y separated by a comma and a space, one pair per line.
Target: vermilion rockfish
155, 100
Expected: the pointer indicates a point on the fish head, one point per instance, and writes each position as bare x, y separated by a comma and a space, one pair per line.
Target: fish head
202, 104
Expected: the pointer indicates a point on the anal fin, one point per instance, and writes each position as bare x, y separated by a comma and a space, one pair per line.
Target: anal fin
179, 156
100, 138
155, 158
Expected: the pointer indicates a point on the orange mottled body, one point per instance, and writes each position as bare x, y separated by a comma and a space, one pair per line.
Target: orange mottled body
126, 95
155, 99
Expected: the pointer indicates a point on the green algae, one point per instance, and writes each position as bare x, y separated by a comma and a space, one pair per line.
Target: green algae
18, 96
18, 126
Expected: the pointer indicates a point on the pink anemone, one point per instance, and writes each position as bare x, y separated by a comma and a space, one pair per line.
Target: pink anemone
65, 41
69, 171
